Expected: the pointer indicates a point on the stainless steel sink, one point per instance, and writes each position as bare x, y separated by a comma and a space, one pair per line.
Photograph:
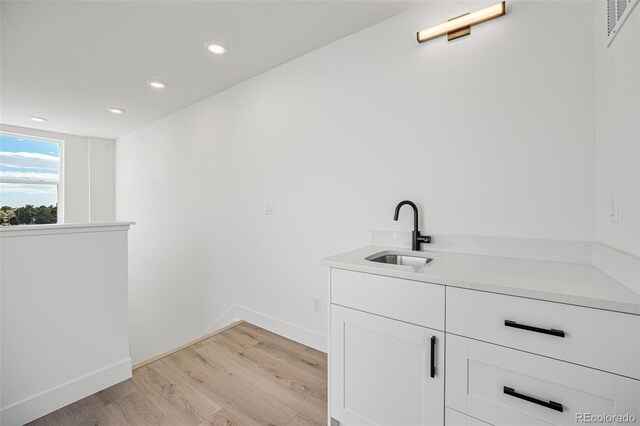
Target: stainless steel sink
393, 258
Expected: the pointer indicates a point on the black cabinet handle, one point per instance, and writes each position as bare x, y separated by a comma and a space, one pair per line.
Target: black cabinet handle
551, 404
433, 356
550, 331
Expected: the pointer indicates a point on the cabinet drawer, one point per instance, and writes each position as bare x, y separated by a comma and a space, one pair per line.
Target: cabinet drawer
411, 301
508, 387
456, 418
596, 338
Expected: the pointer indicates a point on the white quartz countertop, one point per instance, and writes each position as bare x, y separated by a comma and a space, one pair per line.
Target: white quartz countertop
572, 283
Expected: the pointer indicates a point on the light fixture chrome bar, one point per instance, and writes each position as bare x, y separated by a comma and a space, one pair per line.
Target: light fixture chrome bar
462, 22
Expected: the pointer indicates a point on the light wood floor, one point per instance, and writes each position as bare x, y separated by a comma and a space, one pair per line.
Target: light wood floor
242, 376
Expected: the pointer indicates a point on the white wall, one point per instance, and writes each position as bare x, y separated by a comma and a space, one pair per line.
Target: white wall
618, 131
89, 175
491, 135
64, 323
102, 181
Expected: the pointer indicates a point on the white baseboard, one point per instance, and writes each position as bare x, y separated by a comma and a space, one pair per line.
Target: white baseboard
229, 317
275, 325
36, 406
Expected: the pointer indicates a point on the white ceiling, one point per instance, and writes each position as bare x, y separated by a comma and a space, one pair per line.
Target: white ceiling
69, 61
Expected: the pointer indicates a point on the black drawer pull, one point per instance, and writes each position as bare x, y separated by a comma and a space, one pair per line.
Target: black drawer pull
551, 404
433, 356
550, 331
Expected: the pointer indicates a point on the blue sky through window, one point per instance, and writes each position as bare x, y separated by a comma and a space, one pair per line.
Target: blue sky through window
24, 160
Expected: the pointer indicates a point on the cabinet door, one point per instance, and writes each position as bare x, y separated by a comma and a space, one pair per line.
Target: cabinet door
385, 372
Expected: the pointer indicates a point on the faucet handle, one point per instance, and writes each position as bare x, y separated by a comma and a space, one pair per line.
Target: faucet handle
426, 239
418, 240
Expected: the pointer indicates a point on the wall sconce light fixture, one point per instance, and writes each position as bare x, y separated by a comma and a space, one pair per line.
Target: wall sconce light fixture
461, 26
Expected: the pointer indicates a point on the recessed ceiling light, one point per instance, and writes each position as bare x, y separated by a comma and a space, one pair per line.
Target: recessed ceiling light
39, 119
158, 84
216, 47
116, 110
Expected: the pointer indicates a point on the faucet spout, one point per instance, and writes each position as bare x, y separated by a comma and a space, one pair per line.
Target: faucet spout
416, 239
415, 212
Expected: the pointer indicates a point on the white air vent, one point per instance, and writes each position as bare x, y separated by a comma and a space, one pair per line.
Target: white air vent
617, 13
621, 5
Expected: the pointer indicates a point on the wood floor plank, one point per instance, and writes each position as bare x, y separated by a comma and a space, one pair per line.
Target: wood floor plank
312, 357
222, 418
116, 392
318, 359
48, 420
297, 379
180, 403
237, 396
81, 412
278, 360
276, 380
244, 338
237, 341
134, 409
164, 394
242, 376
293, 359
302, 421
263, 335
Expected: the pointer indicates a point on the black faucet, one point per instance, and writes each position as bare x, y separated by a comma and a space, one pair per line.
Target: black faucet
416, 239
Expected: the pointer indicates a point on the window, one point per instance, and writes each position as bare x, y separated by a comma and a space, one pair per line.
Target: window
30, 170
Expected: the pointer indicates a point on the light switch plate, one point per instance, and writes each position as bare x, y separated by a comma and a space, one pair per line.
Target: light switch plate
613, 208
268, 207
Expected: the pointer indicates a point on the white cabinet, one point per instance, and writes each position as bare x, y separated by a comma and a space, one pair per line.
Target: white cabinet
507, 387
384, 371
456, 418
410, 301
509, 360
584, 336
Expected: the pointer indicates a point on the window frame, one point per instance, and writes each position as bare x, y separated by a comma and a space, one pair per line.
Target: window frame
59, 184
